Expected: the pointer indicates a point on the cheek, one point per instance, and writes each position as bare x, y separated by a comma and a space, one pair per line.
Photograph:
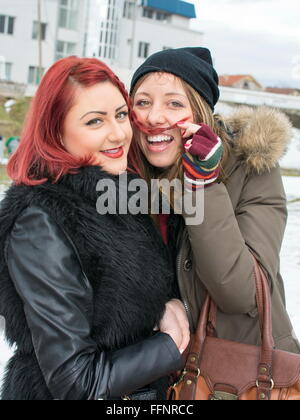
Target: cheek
129, 134
81, 141
178, 143
141, 114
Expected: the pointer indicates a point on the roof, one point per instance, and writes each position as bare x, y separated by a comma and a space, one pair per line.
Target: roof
176, 7
230, 80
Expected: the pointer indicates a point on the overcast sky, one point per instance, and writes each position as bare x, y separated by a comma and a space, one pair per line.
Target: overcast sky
258, 37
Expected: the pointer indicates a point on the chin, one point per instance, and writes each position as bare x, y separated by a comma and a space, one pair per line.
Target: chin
118, 168
161, 162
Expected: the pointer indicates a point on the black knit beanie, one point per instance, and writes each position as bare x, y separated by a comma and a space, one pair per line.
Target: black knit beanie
193, 65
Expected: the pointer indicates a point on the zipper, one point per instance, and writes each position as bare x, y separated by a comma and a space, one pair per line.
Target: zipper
180, 285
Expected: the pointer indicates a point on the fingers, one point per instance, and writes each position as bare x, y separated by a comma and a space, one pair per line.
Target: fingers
188, 145
183, 323
175, 323
188, 129
185, 331
185, 340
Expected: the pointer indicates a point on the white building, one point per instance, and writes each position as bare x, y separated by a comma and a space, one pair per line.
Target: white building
120, 32
125, 32
63, 33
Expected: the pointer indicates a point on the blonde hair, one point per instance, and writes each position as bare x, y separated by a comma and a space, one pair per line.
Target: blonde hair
202, 114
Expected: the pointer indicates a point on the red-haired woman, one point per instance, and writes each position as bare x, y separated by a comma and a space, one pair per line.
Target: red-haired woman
82, 292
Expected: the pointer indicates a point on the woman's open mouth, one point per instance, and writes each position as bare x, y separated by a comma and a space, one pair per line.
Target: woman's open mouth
159, 143
113, 153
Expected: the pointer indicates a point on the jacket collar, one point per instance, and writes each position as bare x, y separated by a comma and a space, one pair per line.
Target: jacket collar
85, 181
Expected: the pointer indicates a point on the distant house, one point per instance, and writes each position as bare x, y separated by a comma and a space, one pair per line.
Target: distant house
240, 81
283, 91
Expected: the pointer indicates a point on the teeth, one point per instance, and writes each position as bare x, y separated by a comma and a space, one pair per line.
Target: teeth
112, 151
159, 139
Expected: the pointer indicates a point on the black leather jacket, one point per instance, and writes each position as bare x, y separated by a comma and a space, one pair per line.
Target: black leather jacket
59, 316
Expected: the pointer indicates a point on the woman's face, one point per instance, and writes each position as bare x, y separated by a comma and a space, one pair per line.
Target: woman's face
98, 124
161, 102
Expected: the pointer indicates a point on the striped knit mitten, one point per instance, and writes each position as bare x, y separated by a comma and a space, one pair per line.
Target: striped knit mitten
202, 157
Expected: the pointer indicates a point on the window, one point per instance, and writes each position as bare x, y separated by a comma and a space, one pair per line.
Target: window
8, 71
162, 16
144, 48
148, 13
11, 23
35, 30
5, 70
109, 27
64, 49
7, 24
68, 14
34, 75
129, 9
2, 24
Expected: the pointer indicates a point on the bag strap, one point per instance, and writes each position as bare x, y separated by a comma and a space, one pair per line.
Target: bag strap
264, 381
207, 323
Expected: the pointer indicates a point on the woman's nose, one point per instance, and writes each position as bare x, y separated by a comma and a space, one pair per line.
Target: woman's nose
155, 117
116, 134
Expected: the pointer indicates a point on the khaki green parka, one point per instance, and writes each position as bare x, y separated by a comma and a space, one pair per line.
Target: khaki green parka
249, 212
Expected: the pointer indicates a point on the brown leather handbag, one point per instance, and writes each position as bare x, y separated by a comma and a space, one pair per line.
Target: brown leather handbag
218, 369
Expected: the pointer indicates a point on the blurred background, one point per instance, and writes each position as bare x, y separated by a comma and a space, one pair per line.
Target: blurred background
255, 46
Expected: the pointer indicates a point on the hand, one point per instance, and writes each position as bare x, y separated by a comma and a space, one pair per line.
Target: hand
188, 130
203, 154
176, 324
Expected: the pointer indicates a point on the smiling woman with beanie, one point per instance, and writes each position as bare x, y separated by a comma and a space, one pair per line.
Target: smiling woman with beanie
235, 162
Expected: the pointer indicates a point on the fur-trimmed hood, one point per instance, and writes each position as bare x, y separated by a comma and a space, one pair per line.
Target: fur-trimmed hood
260, 136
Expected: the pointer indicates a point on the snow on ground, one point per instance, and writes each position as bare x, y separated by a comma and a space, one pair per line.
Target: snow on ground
2, 190
5, 352
292, 158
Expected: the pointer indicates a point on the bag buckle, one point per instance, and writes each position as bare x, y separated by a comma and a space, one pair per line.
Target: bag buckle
271, 385
184, 373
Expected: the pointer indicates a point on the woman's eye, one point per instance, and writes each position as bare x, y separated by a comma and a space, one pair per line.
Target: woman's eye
122, 115
176, 104
142, 103
95, 121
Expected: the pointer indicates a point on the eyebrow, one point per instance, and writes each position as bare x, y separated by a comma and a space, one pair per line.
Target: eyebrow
102, 112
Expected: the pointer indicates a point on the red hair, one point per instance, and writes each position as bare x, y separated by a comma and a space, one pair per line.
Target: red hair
41, 156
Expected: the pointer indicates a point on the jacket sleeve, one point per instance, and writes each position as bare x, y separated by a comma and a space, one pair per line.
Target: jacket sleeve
58, 304
221, 244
